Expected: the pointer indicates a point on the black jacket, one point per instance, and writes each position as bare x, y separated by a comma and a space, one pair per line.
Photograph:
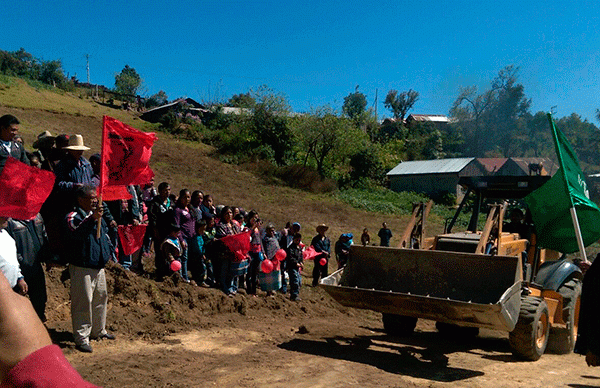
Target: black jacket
84, 249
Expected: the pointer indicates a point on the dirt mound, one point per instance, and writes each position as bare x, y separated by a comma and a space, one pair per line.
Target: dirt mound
139, 306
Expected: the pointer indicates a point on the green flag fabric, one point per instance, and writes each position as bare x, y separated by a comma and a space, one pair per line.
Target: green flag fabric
551, 204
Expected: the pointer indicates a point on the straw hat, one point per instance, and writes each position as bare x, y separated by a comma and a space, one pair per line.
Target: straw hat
76, 144
44, 138
322, 227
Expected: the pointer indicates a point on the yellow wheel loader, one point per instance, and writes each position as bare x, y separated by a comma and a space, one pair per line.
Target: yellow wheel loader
476, 278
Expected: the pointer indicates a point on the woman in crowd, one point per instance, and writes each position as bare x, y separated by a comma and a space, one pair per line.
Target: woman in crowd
184, 217
229, 267
256, 251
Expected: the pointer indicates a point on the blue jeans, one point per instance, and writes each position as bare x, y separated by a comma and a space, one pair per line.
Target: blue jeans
295, 282
184, 260
228, 282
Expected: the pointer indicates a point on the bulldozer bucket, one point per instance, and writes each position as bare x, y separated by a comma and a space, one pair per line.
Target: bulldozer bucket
461, 288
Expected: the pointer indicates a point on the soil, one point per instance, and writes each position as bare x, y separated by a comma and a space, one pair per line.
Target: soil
173, 334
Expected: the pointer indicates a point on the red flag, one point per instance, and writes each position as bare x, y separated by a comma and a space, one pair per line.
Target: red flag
239, 244
310, 253
24, 189
132, 237
125, 154
113, 193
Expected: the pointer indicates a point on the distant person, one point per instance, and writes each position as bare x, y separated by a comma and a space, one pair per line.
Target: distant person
365, 237
294, 264
185, 217
9, 125
270, 281
342, 249
171, 248
322, 245
516, 224
385, 234
87, 257
45, 150
160, 216
230, 269
256, 251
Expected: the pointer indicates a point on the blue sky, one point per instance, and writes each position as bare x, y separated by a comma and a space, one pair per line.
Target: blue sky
316, 52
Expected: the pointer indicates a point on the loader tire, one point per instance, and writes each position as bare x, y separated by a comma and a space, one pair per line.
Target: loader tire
399, 325
455, 331
529, 338
562, 341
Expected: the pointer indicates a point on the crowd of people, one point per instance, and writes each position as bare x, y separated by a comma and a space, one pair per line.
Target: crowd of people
185, 232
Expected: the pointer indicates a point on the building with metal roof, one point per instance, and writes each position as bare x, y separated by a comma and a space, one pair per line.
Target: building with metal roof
435, 178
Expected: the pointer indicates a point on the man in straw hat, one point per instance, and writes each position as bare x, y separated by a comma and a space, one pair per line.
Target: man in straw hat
45, 150
322, 244
72, 172
9, 125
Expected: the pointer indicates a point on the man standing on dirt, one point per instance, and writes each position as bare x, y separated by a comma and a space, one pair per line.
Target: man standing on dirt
385, 234
9, 125
87, 257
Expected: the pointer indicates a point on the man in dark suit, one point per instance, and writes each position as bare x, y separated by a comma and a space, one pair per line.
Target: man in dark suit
9, 126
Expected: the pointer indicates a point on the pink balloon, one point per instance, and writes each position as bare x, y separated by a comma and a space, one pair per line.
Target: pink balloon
280, 255
323, 261
175, 265
266, 266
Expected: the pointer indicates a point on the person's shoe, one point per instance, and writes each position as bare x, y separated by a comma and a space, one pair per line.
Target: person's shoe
85, 348
107, 336
295, 299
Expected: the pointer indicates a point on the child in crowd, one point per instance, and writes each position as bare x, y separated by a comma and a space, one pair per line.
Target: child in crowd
365, 237
171, 248
294, 264
200, 267
271, 281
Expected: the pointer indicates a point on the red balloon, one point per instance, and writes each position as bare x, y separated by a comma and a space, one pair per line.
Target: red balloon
175, 265
323, 261
280, 255
266, 266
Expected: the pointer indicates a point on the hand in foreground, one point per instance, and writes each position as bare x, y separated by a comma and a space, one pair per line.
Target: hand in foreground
21, 331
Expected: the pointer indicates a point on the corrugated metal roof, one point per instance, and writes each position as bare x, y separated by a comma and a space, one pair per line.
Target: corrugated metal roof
437, 118
437, 166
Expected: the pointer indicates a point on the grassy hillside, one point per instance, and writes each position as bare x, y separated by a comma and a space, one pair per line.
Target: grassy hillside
185, 164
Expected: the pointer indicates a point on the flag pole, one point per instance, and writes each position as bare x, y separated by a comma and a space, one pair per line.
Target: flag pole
576, 227
582, 252
102, 175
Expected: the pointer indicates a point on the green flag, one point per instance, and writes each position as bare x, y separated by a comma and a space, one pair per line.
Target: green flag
551, 204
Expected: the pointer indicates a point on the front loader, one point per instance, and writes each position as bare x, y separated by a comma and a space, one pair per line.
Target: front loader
482, 277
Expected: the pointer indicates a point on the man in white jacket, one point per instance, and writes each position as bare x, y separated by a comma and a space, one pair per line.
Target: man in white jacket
9, 264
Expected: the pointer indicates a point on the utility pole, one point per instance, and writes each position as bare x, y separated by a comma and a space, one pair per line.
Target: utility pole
375, 103
87, 66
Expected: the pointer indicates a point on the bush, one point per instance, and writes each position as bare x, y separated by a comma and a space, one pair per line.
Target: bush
305, 178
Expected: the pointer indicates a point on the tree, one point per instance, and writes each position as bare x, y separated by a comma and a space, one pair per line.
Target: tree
242, 100
494, 122
157, 99
128, 81
51, 73
401, 103
355, 104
